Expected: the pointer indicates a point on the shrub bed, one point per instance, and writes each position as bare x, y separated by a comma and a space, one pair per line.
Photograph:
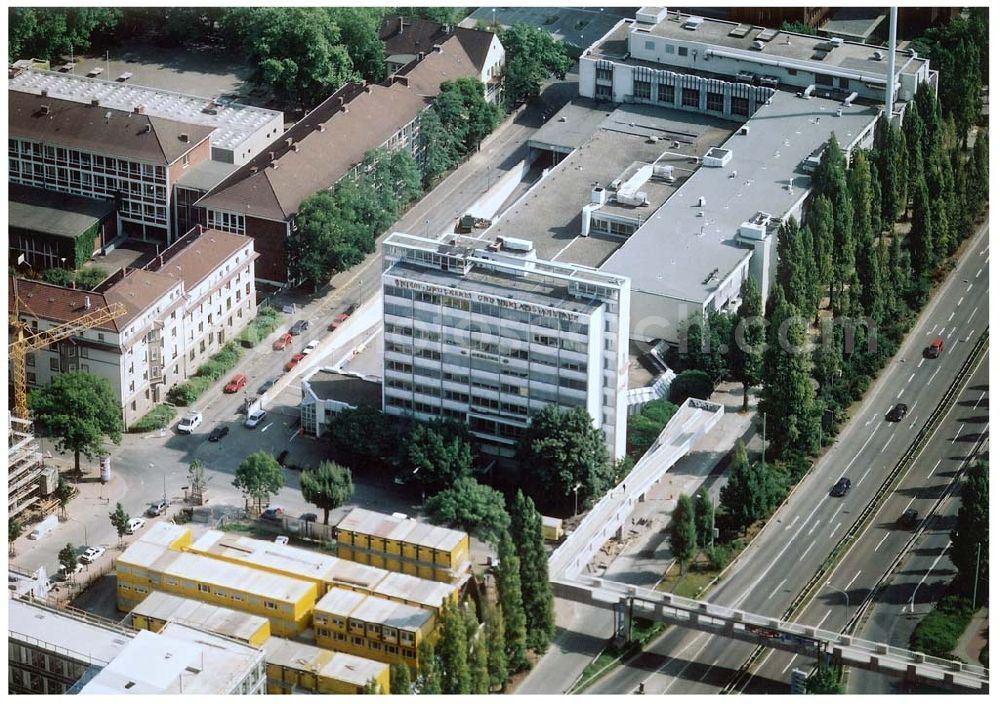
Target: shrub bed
939, 631
157, 418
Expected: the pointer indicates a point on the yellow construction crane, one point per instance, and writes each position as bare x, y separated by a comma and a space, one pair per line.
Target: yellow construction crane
22, 343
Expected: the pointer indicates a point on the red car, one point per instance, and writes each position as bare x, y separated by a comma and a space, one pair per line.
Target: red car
236, 383
294, 361
282, 341
338, 320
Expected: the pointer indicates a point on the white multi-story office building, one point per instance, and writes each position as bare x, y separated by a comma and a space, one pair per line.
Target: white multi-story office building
485, 333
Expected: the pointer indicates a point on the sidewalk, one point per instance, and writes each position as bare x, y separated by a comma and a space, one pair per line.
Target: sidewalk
974, 638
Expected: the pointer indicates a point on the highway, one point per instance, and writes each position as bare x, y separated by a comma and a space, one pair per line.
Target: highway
802, 533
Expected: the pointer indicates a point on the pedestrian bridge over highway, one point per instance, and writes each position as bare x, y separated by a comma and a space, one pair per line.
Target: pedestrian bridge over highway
569, 563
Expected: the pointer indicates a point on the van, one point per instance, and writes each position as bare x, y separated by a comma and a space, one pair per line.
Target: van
935, 349
44, 528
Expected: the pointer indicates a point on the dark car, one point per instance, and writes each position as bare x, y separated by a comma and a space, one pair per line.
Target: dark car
272, 513
841, 488
299, 327
897, 413
218, 433
266, 385
909, 519
282, 457
309, 517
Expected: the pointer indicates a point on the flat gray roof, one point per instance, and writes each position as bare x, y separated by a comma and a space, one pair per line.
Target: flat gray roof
56, 214
854, 22
206, 174
573, 125
497, 284
676, 249
800, 47
346, 389
94, 641
550, 213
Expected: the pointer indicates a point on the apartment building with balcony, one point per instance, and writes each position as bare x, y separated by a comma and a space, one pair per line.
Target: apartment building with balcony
181, 307
488, 334
371, 627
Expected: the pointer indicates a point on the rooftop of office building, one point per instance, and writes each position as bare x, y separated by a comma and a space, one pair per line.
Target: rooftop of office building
82, 637
677, 251
178, 659
207, 617
329, 664
232, 123
685, 27
622, 142
54, 213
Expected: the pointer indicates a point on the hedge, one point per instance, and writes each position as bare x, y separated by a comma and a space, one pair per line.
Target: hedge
157, 418
938, 633
260, 328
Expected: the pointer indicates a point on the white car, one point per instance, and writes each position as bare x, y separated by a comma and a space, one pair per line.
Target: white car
189, 422
91, 554
134, 525
310, 347
254, 418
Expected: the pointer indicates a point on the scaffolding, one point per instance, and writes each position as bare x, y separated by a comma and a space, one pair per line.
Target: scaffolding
24, 467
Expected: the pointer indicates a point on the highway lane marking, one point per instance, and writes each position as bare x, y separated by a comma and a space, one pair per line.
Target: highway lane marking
932, 375
941, 332
825, 617
835, 513
888, 442
914, 498
934, 469
921, 363
960, 428
951, 316
848, 585
689, 662
959, 303
709, 669
775, 590
979, 272
972, 315
808, 549
818, 521
951, 333
753, 585
789, 526
900, 393
969, 288
836, 529
295, 434
910, 379
785, 670
851, 463
926, 574
971, 332
881, 541
866, 473
868, 424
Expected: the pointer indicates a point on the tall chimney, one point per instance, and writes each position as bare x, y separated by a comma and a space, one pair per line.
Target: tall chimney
890, 77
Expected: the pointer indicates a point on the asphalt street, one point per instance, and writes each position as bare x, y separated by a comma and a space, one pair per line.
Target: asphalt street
802, 533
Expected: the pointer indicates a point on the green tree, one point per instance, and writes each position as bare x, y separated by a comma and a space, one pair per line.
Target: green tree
792, 271
820, 222
887, 159
508, 575
465, 113
743, 497
798, 28
476, 508
824, 681
646, 426
362, 436
64, 492
532, 56
68, 559
749, 338
439, 146
400, 682
258, 476
429, 670
704, 518
441, 454
496, 647
453, 652
119, 519
479, 669
691, 383
787, 394
921, 238
359, 32
979, 173
80, 410
563, 448
329, 487
371, 688
14, 531
683, 534
51, 33
539, 604
970, 540
329, 239
297, 52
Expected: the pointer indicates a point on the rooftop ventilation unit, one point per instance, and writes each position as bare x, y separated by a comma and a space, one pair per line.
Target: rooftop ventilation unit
45, 110
758, 45
184, 137
693, 22
878, 56
836, 42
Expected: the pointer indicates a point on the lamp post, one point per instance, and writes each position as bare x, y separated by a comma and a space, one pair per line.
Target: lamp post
83, 525
153, 466
847, 598
576, 494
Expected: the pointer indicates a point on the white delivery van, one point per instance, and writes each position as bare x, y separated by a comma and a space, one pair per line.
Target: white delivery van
44, 528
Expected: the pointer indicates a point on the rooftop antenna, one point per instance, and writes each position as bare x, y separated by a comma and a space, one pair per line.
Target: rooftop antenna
890, 77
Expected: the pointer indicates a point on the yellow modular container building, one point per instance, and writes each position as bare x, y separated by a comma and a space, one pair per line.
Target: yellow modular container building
371, 627
322, 570
170, 535
552, 528
143, 568
296, 667
160, 608
402, 544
